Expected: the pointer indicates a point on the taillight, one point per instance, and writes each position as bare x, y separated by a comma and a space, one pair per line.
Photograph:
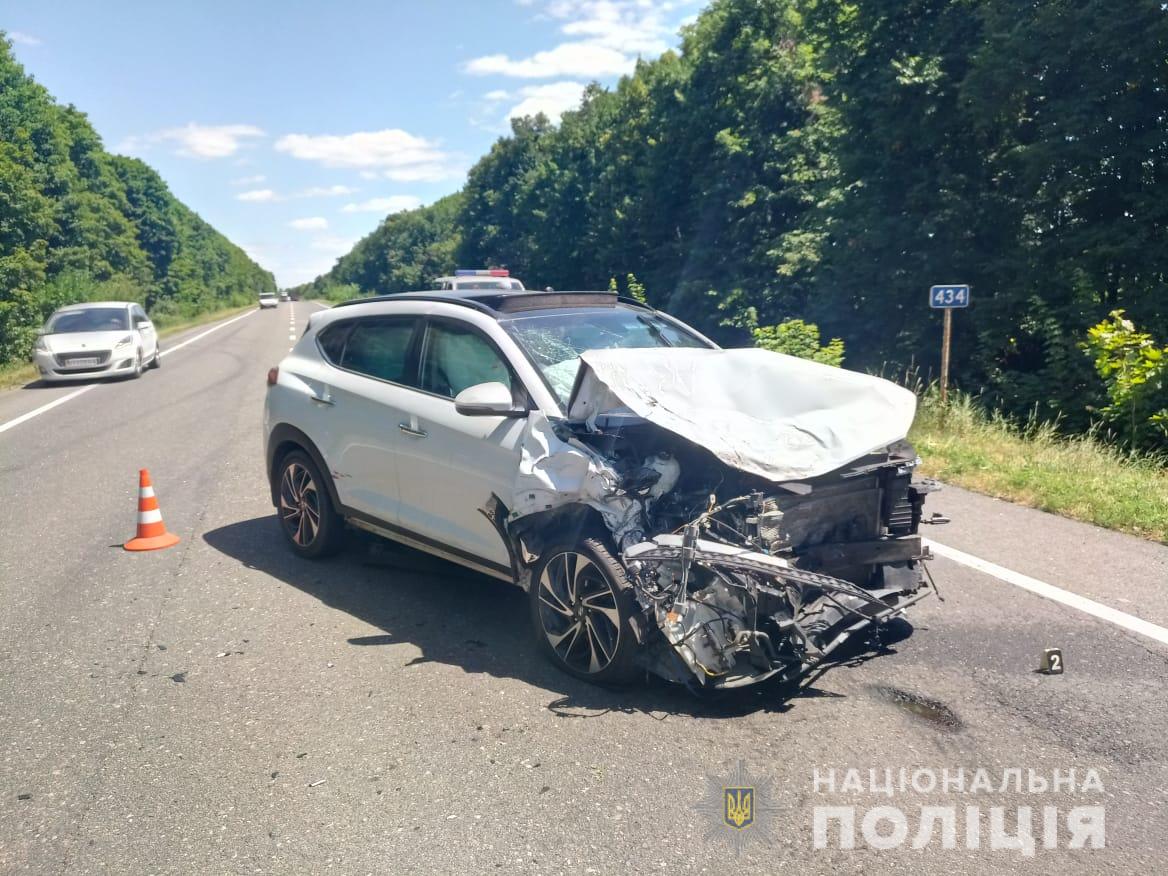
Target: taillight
273, 375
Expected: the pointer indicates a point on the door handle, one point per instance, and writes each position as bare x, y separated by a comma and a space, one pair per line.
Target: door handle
322, 401
408, 430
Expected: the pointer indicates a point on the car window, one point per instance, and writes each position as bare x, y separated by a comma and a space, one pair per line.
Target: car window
380, 348
456, 357
332, 341
90, 319
554, 339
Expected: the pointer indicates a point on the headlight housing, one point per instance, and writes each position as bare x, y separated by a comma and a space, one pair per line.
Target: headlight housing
124, 342
40, 346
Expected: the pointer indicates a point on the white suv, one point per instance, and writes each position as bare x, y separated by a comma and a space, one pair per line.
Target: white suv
669, 506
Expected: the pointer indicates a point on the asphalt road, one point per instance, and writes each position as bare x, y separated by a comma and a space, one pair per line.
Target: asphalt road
221, 707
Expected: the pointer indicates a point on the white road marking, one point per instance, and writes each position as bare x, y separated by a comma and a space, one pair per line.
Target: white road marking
38, 411
24, 418
1055, 594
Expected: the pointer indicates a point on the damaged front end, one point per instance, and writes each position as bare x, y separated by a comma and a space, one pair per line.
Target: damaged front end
739, 599
742, 569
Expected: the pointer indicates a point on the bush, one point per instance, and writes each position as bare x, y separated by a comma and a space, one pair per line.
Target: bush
1134, 369
798, 338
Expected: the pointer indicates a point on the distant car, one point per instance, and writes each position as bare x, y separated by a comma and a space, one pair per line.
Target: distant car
98, 339
284, 296
468, 278
268, 299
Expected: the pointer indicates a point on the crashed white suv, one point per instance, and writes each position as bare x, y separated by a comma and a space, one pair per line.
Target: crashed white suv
716, 517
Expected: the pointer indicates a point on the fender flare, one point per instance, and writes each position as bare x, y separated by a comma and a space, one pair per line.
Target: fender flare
284, 438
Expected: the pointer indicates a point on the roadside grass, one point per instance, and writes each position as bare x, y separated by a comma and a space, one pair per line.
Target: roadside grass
1031, 464
17, 374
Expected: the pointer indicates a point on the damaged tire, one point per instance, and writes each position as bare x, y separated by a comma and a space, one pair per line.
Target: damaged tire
581, 605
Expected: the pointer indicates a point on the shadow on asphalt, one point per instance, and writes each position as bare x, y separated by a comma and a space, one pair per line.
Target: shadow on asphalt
72, 384
479, 624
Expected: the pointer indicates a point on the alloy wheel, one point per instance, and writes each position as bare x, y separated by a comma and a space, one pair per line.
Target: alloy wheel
578, 612
299, 504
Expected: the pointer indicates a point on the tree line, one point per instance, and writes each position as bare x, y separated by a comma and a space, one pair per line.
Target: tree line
77, 223
830, 160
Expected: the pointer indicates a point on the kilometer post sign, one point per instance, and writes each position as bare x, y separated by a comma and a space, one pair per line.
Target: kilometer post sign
947, 298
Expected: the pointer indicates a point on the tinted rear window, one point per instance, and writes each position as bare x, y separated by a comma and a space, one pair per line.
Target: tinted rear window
380, 348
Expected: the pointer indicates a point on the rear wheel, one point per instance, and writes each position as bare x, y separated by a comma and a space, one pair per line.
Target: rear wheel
307, 517
581, 603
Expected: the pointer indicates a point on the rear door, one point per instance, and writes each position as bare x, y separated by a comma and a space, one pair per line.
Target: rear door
359, 404
451, 464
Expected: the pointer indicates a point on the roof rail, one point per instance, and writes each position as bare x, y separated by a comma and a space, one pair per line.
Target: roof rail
413, 296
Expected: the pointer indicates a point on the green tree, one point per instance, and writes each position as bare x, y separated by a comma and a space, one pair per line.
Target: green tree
794, 337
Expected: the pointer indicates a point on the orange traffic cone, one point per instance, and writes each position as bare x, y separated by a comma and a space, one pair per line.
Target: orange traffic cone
152, 534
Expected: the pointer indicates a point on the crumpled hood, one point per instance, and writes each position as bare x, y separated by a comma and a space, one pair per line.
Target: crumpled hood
776, 416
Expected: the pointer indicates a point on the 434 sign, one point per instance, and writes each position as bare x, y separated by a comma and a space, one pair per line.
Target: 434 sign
948, 297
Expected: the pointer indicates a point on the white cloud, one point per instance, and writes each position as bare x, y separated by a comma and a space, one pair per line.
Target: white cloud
636, 27
197, 141
257, 195
497, 95
606, 37
567, 59
249, 180
392, 204
326, 192
309, 223
391, 147
435, 172
552, 100
24, 39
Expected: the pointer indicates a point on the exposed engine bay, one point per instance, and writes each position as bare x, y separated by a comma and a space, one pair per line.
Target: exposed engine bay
738, 577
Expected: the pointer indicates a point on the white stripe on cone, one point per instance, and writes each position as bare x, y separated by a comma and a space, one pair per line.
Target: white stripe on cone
145, 492
154, 516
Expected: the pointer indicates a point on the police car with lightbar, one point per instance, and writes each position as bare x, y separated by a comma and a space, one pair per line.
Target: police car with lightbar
480, 278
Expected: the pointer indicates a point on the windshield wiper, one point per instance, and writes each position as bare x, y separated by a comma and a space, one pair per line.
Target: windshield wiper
654, 330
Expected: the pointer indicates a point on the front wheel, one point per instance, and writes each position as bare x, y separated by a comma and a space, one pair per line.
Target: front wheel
156, 362
309, 522
581, 605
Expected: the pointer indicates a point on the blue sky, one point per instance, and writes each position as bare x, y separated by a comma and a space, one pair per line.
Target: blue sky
295, 127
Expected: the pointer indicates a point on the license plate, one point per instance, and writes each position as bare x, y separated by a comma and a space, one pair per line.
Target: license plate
84, 363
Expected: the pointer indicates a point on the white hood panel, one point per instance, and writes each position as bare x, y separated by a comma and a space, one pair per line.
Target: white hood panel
775, 416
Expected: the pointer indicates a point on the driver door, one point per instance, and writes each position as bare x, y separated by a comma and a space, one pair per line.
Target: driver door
146, 331
450, 464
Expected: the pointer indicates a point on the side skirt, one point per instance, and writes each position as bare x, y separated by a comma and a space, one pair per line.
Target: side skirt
396, 533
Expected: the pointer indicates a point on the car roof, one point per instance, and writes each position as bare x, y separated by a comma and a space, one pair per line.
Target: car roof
85, 305
499, 302
472, 278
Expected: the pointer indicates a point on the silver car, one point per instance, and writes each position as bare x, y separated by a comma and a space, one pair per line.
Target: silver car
96, 339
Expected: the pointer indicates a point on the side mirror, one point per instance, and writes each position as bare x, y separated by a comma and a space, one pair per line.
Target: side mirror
487, 400
144, 324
